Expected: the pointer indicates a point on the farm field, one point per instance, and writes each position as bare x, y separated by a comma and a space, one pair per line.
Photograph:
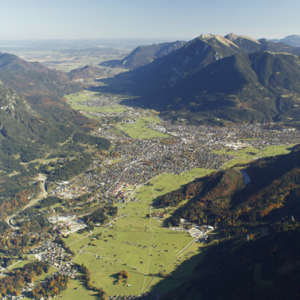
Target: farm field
69, 60
137, 244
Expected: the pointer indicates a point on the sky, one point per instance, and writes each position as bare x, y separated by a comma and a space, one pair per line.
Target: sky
129, 19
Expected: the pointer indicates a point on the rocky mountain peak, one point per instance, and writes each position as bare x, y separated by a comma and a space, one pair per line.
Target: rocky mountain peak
234, 38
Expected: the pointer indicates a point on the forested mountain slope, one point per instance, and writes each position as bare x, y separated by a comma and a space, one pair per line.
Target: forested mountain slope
35, 124
223, 198
215, 78
261, 259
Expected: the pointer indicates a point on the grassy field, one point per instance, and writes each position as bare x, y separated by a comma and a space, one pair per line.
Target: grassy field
246, 155
243, 156
137, 244
75, 98
104, 109
76, 290
144, 246
276, 150
139, 129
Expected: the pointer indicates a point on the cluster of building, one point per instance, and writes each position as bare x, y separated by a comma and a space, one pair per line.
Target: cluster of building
135, 162
66, 224
100, 102
46, 246
55, 255
70, 190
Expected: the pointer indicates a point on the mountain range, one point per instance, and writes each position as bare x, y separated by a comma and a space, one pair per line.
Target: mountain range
143, 55
214, 78
292, 40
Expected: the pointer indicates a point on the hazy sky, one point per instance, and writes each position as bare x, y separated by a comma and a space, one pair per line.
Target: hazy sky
185, 19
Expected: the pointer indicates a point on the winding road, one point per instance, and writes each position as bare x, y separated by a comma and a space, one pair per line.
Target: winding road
42, 178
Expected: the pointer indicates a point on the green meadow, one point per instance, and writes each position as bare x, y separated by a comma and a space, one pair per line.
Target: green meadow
137, 244
246, 155
75, 98
139, 129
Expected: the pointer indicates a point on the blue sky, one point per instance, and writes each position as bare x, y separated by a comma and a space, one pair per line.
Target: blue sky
171, 19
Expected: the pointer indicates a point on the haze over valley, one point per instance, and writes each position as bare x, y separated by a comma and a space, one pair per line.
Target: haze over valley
150, 168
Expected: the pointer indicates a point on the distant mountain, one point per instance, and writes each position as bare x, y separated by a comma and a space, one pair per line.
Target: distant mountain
86, 73
251, 87
214, 78
255, 255
92, 51
293, 40
143, 55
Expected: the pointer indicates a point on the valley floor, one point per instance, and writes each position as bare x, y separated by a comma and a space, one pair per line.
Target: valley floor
149, 158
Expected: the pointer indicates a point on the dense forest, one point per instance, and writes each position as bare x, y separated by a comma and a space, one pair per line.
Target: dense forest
18, 245
12, 284
101, 143
49, 201
67, 169
101, 215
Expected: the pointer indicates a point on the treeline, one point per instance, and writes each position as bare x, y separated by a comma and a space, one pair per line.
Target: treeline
86, 279
14, 190
12, 284
101, 215
14, 195
34, 220
61, 242
68, 169
17, 245
102, 143
26, 152
209, 197
49, 201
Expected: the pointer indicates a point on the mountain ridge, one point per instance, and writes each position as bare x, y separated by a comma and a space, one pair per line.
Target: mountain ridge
293, 40
143, 55
252, 87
